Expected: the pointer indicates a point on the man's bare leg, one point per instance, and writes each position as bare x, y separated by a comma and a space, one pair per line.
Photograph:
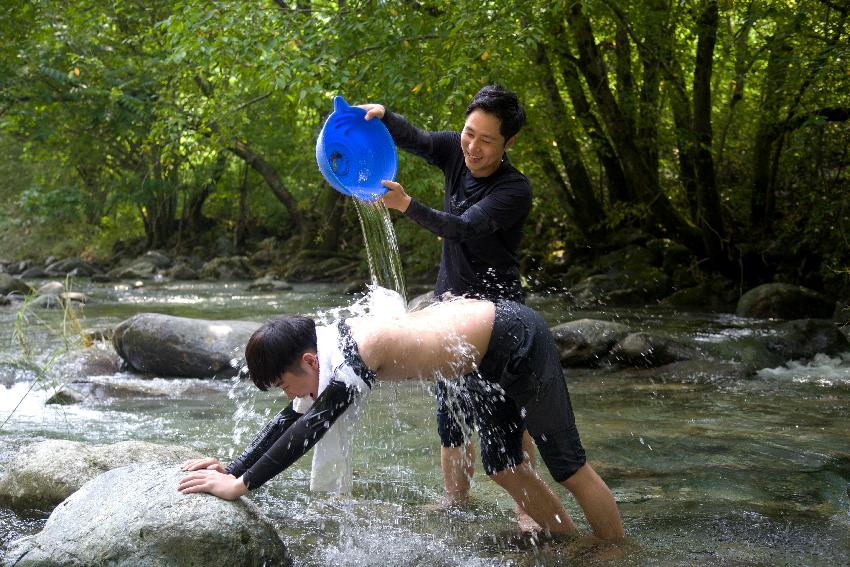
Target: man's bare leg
597, 502
529, 449
458, 467
531, 493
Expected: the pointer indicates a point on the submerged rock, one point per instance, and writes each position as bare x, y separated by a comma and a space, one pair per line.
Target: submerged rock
784, 301
804, 338
586, 341
42, 475
80, 364
135, 516
269, 283
751, 352
701, 371
180, 346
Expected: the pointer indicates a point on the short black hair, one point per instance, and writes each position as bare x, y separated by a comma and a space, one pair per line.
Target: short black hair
276, 346
503, 104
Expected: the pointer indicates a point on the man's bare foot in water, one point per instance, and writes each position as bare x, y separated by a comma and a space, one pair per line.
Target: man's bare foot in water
446, 504
526, 524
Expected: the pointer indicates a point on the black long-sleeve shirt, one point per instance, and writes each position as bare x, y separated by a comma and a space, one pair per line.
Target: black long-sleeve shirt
481, 225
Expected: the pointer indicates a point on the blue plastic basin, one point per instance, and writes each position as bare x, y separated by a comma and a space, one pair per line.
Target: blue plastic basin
354, 154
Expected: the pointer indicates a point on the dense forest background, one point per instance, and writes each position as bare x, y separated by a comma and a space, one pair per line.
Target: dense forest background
716, 130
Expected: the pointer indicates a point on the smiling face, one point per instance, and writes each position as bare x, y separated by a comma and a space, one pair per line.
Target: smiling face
302, 379
482, 143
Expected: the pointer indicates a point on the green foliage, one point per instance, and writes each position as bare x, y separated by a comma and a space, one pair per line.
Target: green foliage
113, 116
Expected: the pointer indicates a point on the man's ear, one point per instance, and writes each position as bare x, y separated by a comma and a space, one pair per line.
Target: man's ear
311, 359
510, 141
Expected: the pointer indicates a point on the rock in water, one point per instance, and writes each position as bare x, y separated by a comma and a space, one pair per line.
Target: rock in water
134, 516
179, 346
44, 474
586, 341
784, 301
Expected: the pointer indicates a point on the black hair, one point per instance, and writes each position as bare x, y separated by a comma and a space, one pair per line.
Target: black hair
503, 104
277, 346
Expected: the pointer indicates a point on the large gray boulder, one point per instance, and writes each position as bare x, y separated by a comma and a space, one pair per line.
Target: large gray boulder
586, 341
44, 474
179, 346
784, 301
134, 516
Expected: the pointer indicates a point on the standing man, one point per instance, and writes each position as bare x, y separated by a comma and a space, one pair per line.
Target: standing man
485, 205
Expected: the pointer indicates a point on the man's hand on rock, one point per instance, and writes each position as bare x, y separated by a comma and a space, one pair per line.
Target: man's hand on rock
225, 486
210, 463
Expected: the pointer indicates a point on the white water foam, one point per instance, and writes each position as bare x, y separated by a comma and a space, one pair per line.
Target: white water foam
23, 405
823, 370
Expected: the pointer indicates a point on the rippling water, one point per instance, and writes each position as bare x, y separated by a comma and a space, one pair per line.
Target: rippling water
707, 470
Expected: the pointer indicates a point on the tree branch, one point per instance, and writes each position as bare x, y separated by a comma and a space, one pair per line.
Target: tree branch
385, 45
676, 80
829, 113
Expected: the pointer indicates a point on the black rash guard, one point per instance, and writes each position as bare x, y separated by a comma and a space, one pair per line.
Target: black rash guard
289, 434
482, 224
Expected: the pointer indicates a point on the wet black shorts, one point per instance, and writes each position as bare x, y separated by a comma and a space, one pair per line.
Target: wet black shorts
476, 403
523, 359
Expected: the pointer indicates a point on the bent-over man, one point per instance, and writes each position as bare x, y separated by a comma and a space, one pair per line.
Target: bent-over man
337, 366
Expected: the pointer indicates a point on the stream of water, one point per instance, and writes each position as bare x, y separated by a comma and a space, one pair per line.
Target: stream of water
707, 469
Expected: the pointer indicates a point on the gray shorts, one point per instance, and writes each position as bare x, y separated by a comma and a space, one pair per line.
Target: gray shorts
523, 359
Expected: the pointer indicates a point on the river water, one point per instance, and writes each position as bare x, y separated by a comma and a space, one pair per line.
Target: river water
707, 469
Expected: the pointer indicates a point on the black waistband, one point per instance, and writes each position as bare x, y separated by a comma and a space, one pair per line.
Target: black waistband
352, 355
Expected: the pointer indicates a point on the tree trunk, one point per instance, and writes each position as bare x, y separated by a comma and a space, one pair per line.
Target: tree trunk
272, 179
776, 75
709, 217
618, 188
328, 226
585, 203
242, 220
161, 203
193, 215
637, 172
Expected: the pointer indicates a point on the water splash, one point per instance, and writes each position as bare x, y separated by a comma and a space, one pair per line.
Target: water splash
823, 370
